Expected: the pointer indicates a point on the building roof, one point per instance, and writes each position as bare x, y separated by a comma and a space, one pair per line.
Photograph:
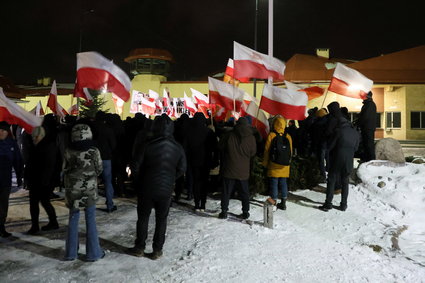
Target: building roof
153, 53
304, 68
406, 66
9, 88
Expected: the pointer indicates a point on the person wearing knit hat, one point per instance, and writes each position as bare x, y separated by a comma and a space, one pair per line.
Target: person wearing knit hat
10, 157
321, 112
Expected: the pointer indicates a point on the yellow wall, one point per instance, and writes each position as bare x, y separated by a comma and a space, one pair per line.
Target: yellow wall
415, 101
395, 101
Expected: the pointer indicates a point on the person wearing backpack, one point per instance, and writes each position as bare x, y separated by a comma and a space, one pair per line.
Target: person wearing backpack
277, 159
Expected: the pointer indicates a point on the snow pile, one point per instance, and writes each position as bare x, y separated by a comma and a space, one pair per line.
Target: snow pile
399, 192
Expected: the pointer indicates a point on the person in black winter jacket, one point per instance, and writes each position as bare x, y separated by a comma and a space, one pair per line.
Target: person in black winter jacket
106, 143
181, 131
201, 150
342, 146
158, 161
10, 157
40, 173
367, 124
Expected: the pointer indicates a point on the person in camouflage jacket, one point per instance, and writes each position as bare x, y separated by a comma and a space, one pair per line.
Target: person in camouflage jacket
82, 164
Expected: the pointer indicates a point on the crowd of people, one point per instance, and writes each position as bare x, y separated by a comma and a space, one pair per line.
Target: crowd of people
168, 158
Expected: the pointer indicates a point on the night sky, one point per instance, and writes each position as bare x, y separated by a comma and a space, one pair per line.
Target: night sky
41, 38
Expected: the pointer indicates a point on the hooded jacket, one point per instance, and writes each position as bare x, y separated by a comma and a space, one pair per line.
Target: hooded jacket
237, 148
158, 161
81, 165
273, 169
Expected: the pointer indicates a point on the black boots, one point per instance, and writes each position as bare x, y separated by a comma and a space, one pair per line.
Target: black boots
3, 232
52, 225
282, 204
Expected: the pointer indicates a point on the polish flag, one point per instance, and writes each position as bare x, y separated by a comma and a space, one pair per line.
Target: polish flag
286, 102
188, 104
165, 98
259, 119
158, 105
38, 110
96, 72
231, 72
349, 82
252, 64
166, 103
11, 113
201, 99
312, 92
219, 113
148, 107
224, 94
73, 110
153, 94
53, 104
248, 98
118, 104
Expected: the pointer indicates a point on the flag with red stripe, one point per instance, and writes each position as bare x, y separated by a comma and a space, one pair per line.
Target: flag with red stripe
252, 64
96, 72
349, 82
53, 103
11, 113
224, 94
288, 103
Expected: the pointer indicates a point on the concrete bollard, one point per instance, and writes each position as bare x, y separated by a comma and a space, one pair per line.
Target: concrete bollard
268, 212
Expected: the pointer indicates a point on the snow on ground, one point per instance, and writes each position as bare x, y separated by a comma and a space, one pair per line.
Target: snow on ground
380, 238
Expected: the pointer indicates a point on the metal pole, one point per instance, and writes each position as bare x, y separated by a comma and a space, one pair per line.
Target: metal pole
270, 33
255, 40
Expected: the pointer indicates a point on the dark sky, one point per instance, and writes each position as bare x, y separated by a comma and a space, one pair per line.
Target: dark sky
41, 38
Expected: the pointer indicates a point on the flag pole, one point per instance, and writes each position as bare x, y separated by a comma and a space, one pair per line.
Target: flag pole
323, 102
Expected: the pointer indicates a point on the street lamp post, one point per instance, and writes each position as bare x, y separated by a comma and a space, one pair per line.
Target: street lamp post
255, 40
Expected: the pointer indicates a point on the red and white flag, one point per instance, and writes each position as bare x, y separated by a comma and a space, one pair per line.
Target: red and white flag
166, 103
73, 110
252, 64
165, 98
38, 110
224, 94
259, 119
96, 72
159, 106
11, 113
201, 99
118, 104
147, 107
349, 82
153, 94
288, 103
219, 113
312, 92
189, 105
53, 104
230, 71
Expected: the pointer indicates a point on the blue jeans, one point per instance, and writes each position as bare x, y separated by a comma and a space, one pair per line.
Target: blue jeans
93, 250
107, 182
275, 185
